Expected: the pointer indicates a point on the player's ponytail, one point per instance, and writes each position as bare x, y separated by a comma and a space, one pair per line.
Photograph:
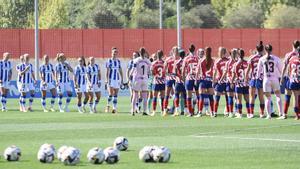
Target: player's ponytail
142, 51
192, 48
83, 60
260, 46
268, 49
160, 54
182, 54
242, 53
208, 58
296, 44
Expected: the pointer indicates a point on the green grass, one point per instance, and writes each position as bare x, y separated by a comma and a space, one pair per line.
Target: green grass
224, 143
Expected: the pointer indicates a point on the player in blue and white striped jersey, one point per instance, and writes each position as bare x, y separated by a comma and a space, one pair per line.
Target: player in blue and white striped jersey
63, 83
94, 84
26, 82
47, 83
129, 77
5, 77
114, 79
80, 84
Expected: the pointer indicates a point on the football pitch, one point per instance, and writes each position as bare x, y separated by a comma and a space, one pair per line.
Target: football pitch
205, 142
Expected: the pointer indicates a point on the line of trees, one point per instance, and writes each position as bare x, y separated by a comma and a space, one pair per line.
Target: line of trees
145, 13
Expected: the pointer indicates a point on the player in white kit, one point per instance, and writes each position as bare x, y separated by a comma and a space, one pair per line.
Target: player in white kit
140, 76
5, 77
80, 81
270, 67
114, 79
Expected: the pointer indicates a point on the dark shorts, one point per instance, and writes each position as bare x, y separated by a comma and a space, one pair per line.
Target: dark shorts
294, 86
220, 87
252, 83
206, 84
179, 87
170, 83
286, 83
158, 87
258, 84
228, 88
191, 85
242, 90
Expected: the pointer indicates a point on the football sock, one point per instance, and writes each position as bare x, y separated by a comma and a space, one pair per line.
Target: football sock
115, 102
31, 99
154, 103
60, 101
216, 105
268, 104
149, 102
248, 108
3, 100
43, 100
279, 104
166, 102
52, 101
211, 102
109, 99
287, 103
144, 95
262, 109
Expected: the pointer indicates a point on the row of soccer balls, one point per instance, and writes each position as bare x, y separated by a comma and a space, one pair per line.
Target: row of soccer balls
71, 155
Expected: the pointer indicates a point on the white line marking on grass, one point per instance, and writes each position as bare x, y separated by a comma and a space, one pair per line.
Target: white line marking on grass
241, 130
249, 138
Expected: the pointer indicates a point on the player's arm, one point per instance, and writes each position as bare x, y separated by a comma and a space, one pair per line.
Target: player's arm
183, 69
284, 69
33, 76
128, 73
215, 73
225, 72
42, 75
199, 70
57, 69
259, 69
75, 77
10, 74
121, 74
25, 70
69, 67
248, 70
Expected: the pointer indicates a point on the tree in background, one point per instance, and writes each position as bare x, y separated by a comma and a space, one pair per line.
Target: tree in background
54, 15
245, 16
283, 16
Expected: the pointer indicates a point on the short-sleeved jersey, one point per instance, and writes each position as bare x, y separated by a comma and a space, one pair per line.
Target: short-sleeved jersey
62, 72
141, 68
158, 72
294, 69
190, 64
270, 68
220, 67
229, 68
206, 73
93, 73
80, 74
239, 69
19, 68
114, 66
169, 65
287, 58
47, 70
177, 70
26, 78
5, 70
130, 64
253, 62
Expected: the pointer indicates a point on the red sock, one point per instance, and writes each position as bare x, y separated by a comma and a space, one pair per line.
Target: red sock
154, 103
190, 106
216, 106
166, 102
162, 104
176, 102
286, 107
200, 105
227, 105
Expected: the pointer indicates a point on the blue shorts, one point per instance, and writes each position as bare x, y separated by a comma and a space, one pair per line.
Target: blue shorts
258, 84
220, 87
179, 87
170, 83
242, 90
294, 86
158, 87
206, 84
190, 85
252, 83
228, 88
286, 83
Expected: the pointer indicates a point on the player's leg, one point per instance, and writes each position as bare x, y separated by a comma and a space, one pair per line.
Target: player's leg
115, 100
79, 101
167, 95
246, 98
31, 96
177, 99
4, 92
210, 95
239, 98
287, 97
85, 101
150, 99
109, 99
43, 100
23, 101
60, 92
53, 97
69, 96
145, 96
268, 104
162, 93
276, 88
217, 95
297, 103
252, 91
133, 102
97, 100
154, 102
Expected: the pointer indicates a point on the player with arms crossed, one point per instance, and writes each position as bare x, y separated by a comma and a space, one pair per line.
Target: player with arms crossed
63, 83
241, 87
159, 77
255, 85
205, 71
140, 76
218, 83
270, 66
94, 84
80, 81
285, 81
114, 79
47, 83
129, 68
5, 77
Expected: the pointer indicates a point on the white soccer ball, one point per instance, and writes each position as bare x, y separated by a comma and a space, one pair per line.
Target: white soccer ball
121, 143
46, 153
161, 154
60, 151
12, 153
145, 154
96, 155
112, 155
71, 156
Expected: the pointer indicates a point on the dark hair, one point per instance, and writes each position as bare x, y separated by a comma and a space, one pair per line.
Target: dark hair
208, 58
142, 51
160, 54
296, 44
83, 60
192, 48
113, 48
298, 50
182, 53
268, 48
242, 53
260, 46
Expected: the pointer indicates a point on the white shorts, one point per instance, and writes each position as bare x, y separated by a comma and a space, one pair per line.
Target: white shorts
25, 87
271, 85
93, 88
4, 85
63, 87
114, 84
140, 85
47, 87
81, 89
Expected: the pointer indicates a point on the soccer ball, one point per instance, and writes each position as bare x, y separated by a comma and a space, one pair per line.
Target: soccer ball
46, 153
145, 154
121, 143
112, 155
12, 153
96, 155
60, 151
161, 154
71, 156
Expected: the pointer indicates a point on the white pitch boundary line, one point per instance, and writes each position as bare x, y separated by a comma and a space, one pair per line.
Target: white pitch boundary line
250, 138
241, 130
